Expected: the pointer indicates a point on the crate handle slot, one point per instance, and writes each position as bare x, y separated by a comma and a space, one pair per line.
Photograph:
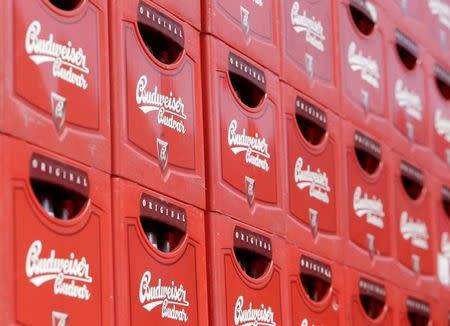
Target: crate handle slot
66, 5
253, 252
368, 152
311, 121
251, 263
412, 180
248, 81
363, 16
372, 297
163, 223
442, 78
162, 36
406, 50
57, 201
315, 277
162, 237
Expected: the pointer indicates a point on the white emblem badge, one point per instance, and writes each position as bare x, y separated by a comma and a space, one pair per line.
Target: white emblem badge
410, 131
250, 189
245, 20
365, 99
309, 62
313, 221
163, 153
59, 318
371, 244
416, 263
58, 110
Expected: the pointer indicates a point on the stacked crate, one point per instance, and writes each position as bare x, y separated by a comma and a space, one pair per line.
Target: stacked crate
55, 164
225, 162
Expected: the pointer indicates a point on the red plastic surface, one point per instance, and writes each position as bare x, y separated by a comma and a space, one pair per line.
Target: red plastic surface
408, 13
235, 298
189, 11
56, 270
313, 167
368, 217
439, 106
308, 49
362, 66
153, 285
409, 8
57, 89
250, 26
157, 107
406, 88
360, 285
316, 289
442, 313
243, 143
413, 223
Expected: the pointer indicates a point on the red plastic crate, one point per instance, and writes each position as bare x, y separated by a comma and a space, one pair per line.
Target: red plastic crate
65, 262
242, 138
4, 23
6, 246
57, 81
238, 297
438, 82
157, 103
316, 289
413, 223
437, 23
308, 49
249, 26
368, 215
312, 135
168, 238
369, 300
440, 203
406, 87
362, 47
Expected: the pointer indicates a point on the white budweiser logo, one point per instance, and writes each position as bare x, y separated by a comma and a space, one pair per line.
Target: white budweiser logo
445, 244
368, 67
69, 63
252, 316
442, 125
171, 298
408, 100
414, 230
372, 208
311, 26
442, 10
316, 181
170, 109
67, 273
256, 149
